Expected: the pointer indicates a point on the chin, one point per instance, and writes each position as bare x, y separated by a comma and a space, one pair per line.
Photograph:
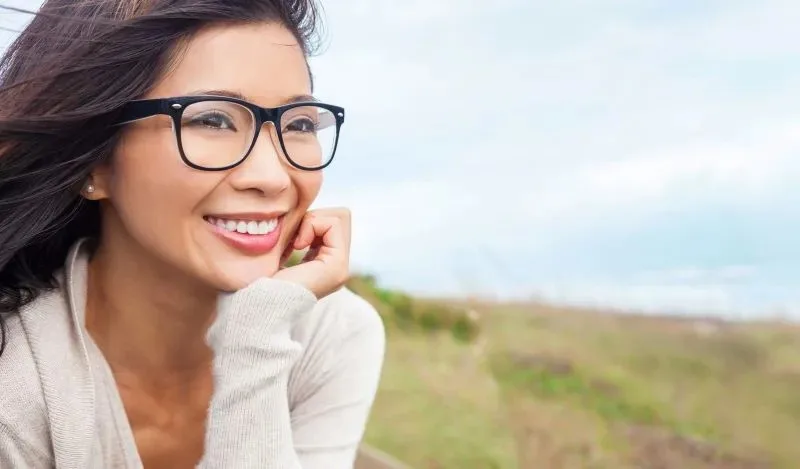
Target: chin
231, 272
235, 274
228, 269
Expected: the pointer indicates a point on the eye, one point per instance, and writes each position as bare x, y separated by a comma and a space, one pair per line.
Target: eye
301, 124
213, 119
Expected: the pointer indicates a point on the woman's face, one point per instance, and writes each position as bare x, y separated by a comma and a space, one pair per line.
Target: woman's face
155, 203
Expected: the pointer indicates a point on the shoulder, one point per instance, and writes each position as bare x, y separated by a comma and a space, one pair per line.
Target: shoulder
342, 334
19, 378
341, 316
22, 405
357, 315
37, 353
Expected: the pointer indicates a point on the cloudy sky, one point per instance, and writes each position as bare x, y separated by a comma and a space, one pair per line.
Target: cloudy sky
628, 153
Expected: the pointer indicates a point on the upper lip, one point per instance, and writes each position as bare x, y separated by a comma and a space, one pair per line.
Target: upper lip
255, 216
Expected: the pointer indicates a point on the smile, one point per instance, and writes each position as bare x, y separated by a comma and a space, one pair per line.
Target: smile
252, 227
250, 235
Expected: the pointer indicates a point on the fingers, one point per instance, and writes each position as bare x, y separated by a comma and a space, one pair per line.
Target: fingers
327, 239
331, 233
326, 265
341, 213
305, 234
330, 225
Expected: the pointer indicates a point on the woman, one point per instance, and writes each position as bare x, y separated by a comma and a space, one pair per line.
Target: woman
157, 163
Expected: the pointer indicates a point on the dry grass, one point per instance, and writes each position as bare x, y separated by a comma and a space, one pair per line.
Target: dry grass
438, 407
683, 393
565, 388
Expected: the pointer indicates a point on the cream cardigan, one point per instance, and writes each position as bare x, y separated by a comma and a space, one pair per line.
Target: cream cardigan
294, 379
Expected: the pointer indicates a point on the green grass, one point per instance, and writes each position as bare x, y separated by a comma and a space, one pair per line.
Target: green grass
614, 401
734, 389
564, 388
438, 408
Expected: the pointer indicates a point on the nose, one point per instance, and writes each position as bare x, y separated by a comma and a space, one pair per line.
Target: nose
264, 169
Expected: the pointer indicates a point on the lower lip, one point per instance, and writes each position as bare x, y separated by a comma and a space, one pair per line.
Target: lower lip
255, 245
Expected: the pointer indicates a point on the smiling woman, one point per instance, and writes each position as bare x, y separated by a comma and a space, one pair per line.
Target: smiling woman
158, 159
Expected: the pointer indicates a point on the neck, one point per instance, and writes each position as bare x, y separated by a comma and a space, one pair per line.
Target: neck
148, 319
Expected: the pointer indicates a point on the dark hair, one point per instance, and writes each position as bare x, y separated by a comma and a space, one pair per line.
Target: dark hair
62, 81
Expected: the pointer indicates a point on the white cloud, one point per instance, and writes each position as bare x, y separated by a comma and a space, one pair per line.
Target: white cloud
564, 119
517, 207
694, 274
504, 127
706, 299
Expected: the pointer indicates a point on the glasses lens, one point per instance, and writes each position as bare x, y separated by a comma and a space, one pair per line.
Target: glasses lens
216, 134
309, 135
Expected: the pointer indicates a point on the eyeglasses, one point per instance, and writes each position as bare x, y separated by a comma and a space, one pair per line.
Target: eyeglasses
215, 133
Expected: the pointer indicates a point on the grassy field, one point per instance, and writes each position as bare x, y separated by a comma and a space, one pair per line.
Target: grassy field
533, 386
421, 421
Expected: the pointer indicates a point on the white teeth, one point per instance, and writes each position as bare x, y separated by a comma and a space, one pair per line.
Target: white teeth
251, 227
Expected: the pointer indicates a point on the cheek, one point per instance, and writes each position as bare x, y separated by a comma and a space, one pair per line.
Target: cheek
158, 203
153, 193
307, 186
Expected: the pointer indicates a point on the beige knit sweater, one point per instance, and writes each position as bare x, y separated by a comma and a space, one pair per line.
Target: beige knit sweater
294, 380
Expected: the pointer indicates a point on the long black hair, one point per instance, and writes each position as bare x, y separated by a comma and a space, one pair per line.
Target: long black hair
62, 81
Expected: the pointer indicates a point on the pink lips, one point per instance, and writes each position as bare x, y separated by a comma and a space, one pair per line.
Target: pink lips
254, 245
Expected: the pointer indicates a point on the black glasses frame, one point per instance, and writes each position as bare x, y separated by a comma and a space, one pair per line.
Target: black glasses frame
174, 107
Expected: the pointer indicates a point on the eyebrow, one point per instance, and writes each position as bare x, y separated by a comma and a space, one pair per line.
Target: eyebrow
299, 98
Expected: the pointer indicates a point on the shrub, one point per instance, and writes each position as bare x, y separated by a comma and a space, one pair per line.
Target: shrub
464, 329
431, 320
407, 314
401, 305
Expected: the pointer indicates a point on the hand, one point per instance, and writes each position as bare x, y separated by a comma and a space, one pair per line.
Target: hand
326, 266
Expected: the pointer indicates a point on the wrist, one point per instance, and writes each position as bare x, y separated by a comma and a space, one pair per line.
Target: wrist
265, 307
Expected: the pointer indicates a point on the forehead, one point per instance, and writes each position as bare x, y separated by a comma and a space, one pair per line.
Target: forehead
262, 61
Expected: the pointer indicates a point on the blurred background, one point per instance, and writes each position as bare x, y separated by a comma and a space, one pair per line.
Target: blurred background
578, 220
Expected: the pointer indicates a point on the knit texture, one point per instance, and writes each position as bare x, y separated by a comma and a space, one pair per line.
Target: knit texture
294, 381
253, 353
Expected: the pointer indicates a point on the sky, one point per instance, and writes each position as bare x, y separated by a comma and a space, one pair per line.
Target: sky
633, 154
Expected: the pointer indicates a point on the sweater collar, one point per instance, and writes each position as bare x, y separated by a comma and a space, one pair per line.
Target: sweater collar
56, 333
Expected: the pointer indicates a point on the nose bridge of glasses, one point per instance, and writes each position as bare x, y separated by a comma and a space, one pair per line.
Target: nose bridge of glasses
267, 117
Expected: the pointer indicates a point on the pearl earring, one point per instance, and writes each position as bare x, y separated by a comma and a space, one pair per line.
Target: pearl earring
89, 188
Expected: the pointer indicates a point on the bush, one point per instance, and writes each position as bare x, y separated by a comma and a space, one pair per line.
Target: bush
401, 305
400, 310
431, 320
464, 329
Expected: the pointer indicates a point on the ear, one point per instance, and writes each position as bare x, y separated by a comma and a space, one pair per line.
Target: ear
96, 186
